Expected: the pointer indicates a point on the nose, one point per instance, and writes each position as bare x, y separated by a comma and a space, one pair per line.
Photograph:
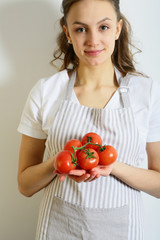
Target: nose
92, 38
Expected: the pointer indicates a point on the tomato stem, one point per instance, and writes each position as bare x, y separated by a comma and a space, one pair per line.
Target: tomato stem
74, 158
89, 154
81, 148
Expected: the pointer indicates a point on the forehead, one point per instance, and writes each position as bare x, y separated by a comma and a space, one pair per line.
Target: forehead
90, 11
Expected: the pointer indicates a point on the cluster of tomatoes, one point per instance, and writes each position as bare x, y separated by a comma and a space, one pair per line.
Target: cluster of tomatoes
85, 154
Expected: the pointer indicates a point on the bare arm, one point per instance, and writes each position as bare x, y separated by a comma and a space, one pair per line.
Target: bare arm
146, 180
33, 173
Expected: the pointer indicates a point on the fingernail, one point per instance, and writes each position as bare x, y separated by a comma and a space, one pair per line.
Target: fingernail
61, 178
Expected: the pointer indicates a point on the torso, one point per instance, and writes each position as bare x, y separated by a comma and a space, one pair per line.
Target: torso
117, 127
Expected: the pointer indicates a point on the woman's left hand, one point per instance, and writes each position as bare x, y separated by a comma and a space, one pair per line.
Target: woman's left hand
102, 170
78, 175
93, 174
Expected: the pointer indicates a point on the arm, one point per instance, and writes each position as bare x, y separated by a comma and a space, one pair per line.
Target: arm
33, 173
146, 180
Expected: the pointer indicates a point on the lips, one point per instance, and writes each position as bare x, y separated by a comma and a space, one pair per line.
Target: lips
93, 53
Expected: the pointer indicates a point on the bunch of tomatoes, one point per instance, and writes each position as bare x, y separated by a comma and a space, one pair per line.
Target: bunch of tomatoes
85, 154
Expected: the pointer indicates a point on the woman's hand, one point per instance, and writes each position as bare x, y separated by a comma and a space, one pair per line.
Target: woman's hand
102, 170
78, 175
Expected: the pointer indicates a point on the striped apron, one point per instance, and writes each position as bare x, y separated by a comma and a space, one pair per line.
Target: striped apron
105, 208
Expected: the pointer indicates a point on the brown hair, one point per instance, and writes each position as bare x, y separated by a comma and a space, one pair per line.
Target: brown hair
122, 56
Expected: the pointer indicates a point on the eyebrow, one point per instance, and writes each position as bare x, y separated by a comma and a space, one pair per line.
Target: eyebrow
81, 23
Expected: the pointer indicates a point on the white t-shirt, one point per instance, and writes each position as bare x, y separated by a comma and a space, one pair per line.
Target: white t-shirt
47, 95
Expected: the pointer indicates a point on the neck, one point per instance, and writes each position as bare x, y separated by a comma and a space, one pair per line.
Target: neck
96, 76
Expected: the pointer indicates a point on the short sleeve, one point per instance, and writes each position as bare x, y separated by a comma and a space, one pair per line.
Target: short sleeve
31, 119
154, 116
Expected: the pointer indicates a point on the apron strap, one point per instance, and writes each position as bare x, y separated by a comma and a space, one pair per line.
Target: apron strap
70, 85
124, 91
123, 88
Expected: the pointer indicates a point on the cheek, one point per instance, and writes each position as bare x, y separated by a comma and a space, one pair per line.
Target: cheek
77, 41
77, 45
110, 42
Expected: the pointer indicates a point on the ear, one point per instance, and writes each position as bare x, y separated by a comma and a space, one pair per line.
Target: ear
67, 33
119, 28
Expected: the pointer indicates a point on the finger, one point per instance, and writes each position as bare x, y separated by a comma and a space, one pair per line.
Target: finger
80, 179
90, 178
77, 172
61, 178
93, 177
98, 175
102, 170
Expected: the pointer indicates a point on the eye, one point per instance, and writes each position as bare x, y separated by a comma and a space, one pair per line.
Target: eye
81, 29
103, 27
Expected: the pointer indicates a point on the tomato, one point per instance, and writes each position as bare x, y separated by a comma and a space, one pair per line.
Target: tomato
74, 143
108, 155
64, 162
93, 138
88, 158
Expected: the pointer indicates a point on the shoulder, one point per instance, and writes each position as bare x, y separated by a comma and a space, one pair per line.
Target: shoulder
52, 86
55, 83
139, 82
145, 102
143, 89
143, 82
58, 78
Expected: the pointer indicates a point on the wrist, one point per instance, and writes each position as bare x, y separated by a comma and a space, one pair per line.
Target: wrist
115, 167
51, 164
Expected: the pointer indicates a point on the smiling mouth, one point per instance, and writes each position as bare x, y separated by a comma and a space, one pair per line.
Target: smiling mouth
93, 53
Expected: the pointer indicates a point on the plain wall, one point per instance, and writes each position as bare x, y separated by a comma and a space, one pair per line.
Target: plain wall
27, 41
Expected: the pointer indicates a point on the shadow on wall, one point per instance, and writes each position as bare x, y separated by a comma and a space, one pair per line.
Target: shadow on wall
27, 42
27, 39
26, 32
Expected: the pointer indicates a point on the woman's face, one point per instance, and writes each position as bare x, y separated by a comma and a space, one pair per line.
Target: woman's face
92, 28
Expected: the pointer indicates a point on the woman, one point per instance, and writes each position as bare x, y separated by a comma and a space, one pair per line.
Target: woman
102, 94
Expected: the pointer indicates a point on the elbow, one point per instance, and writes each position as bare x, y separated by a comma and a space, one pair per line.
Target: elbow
24, 192
23, 189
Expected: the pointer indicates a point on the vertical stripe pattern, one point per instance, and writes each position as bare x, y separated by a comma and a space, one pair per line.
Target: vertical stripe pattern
117, 128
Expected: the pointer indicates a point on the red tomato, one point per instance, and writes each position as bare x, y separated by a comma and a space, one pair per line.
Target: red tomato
108, 155
88, 158
93, 138
64, 162
74, 143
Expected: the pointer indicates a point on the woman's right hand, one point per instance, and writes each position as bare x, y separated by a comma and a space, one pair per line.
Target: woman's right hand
78, 175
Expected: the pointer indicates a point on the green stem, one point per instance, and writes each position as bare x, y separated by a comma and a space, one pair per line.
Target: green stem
74, 159
80, 148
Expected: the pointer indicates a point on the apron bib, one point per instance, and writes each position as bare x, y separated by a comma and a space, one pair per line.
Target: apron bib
106, 208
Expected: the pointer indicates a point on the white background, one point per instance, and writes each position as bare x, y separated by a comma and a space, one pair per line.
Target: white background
27, 40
